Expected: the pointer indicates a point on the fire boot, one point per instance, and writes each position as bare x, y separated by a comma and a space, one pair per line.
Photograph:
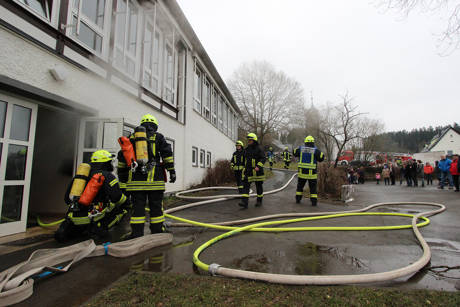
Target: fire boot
157, 228
259, 202
314, 202
298, 198
243, 203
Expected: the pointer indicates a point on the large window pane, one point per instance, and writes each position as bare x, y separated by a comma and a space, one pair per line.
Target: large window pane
110, 136
94, 10
16, 162
88, 36
87, 156
91, 129
121, 20
132, 34
20, 124
39, 6
12, 204
1, 151
148, 47
3, 106
156, 54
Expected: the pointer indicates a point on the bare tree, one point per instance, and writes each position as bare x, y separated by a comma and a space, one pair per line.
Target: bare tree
450, 37
370, 140
268, 99
342, 124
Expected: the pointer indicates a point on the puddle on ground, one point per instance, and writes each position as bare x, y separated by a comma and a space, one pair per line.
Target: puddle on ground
307, 259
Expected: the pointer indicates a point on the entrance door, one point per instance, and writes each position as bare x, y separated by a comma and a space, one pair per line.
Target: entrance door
98, 133
17, 133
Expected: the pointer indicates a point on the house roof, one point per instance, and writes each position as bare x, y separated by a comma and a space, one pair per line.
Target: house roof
435, 140
177, 12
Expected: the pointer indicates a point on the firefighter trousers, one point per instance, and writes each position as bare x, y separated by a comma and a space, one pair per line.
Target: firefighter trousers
312, 183
259, 189
239, 181
154, 202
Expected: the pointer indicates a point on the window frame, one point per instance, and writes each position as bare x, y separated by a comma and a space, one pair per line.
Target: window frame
172, 87
225, 118
150, 70
208, 159
195, 150
104, 32
197, 81
54, 12
172, 142
214, 106
220, 115
202, 161
126, 55
206, 98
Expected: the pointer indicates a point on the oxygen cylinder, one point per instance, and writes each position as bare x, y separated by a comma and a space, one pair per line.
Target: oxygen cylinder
80, 180
91, 190
127, 150
140, 139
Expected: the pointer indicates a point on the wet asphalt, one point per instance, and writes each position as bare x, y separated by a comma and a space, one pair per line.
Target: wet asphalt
307, 253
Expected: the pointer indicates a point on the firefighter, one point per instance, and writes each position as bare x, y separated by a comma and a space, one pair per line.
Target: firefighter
270, 157
146, 182
286, 157
253, 170
309, 156
102, 210
237, 164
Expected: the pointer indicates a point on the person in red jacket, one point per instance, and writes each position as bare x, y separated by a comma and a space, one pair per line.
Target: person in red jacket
454, 172
428, 173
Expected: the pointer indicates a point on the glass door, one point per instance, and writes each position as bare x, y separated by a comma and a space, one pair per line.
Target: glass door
17, 133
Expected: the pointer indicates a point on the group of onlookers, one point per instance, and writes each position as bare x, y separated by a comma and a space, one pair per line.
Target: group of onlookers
446, 171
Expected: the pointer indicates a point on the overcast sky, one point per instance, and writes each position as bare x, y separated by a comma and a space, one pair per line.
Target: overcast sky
390, 64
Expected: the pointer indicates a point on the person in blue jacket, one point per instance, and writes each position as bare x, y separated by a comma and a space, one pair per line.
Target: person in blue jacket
444, 167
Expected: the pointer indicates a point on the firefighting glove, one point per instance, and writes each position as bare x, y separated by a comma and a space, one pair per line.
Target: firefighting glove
172, 176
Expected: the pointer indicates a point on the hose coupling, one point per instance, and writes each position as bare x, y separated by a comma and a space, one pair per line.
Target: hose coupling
213, 267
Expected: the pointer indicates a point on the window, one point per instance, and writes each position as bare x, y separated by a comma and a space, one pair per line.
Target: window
225, 117
194, 156
230, 124
127, 17
87, 23
197, 91
152, 58
214, 108
208, 159
127, 130
202, 157
221, 111
207, 100
41, 8
172, 143
169, 82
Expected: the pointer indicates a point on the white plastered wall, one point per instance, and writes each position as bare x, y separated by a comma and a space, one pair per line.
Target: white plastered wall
30, 64
450, 141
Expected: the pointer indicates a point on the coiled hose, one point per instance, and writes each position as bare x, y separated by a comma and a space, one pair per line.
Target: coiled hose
216, 269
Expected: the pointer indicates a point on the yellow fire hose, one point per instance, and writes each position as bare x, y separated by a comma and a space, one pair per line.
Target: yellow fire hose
215, 269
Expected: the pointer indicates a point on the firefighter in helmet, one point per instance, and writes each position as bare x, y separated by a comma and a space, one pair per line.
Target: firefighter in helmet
146, 181
309, 156
270, 156
101, 205
253, 170
237, 164
286, 157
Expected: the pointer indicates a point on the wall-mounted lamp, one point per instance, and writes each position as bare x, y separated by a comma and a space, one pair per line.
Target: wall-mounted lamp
59, 73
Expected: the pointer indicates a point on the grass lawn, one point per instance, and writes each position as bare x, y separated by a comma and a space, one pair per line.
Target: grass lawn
167, 289
292, 165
